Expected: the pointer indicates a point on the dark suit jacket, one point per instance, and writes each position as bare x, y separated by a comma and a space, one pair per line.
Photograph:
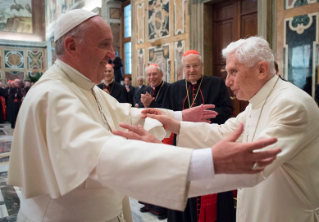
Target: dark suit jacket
117, 91
137, 94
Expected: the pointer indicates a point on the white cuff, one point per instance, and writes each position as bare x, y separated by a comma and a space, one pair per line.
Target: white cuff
202, 166
178, 115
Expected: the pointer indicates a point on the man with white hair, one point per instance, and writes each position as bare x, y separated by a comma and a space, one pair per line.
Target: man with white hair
194, 90
288, 189
67, 162
154, 95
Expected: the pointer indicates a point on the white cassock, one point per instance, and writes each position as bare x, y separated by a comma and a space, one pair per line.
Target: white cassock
288, 189
71, 168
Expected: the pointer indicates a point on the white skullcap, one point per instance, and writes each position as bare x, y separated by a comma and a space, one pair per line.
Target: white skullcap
70, 20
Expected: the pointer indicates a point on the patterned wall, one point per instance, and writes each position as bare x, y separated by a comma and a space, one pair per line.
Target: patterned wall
21, 62
288, 4
161, 34
179, 49
161, 56
158, 19
297, 43
301, 51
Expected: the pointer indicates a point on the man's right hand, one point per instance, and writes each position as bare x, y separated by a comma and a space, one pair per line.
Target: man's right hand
146, 99
169, 123
230, 157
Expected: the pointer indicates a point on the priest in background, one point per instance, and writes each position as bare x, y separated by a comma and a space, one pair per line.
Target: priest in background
154, 95
194, 90
111, 87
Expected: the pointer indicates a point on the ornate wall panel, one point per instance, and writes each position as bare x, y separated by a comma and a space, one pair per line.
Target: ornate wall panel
116, 30
140, 23
179, 49
11, 75
288, 4
160, 55
17, 62
301, 51
179, 17
141, 62
35, 59
14, 59
158, 19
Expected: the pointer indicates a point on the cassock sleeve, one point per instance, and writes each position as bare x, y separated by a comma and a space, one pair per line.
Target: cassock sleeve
288, 121
201, 135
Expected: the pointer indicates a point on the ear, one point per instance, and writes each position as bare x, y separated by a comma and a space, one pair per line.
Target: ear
70, 46
263, 68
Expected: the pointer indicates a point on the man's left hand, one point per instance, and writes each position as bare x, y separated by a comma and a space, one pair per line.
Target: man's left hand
199, 114
135, 133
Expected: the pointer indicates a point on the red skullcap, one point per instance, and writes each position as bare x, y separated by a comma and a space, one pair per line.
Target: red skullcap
154, 64
111, 65
189, 52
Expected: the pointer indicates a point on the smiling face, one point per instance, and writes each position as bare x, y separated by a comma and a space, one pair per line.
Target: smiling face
242, 80
109, 74
155, 77
192, 68
94, 50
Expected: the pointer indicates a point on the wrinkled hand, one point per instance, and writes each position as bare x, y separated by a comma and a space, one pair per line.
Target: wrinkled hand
238, 158
199, 114
146, 99
135, 133
154, 111
169, 123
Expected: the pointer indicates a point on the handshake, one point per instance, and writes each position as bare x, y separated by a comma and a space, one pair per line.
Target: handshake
229, 156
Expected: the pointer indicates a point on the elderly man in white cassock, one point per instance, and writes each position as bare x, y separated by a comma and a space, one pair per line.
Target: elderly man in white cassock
288, 189
67, 162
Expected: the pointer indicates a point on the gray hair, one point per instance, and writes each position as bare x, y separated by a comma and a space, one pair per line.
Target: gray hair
199, 57
140, 77
250, 51
158, 69
78, 32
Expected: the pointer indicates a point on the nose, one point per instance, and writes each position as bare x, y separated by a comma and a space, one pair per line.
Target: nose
228, 80
111, 53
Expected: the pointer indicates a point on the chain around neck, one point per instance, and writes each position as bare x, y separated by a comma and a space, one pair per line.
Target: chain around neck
187, 94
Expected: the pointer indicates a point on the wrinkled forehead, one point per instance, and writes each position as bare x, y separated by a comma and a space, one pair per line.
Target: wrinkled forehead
191, 59
152, 70
232, 61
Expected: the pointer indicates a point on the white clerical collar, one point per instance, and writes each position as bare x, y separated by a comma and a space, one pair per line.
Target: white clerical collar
78, 78
261, 95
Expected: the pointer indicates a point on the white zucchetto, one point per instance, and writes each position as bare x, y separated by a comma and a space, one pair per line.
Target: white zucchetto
70, 20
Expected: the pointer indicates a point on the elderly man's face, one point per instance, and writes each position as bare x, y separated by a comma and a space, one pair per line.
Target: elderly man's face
242, 80
109, 74
140, 82
154, 76
16, 83
192, 68
96, 49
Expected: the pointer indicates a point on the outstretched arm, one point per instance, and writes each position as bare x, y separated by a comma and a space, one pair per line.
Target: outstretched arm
228, 156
